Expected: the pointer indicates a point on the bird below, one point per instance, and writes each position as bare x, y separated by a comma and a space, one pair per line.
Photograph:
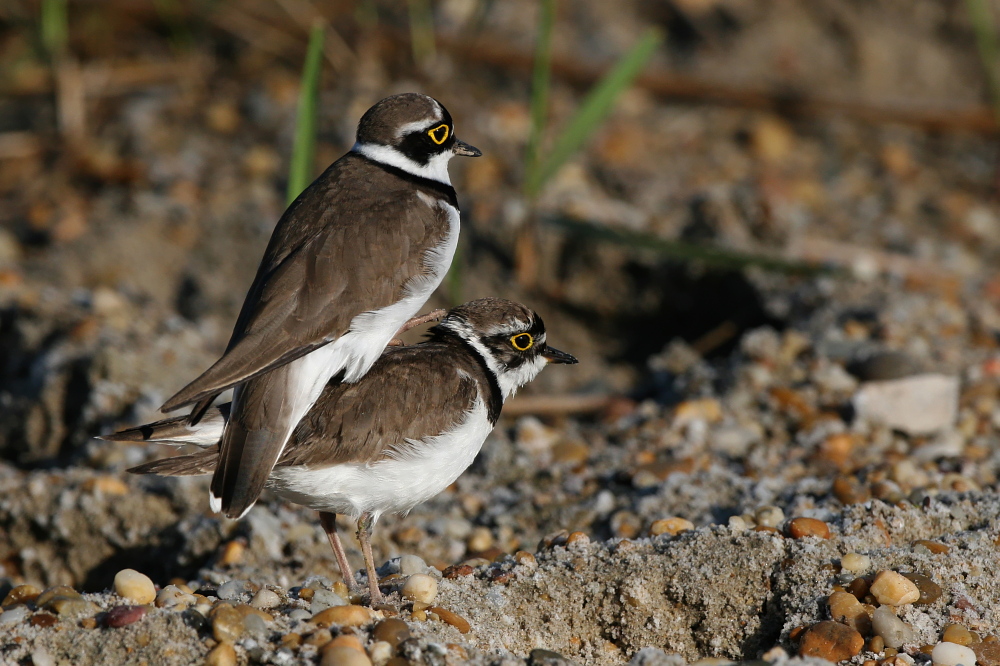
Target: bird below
396, 437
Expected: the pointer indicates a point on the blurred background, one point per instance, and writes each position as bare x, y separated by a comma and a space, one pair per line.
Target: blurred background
660, 177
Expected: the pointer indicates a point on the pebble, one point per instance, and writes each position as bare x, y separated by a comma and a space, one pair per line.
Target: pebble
411, 564
933, 546
344, 616
845, 607
451, 618
672, 526
227, 624
43, 620
231, 589
69, 607
958, 634
339, 655
44, 599
831, 641
855, 562
987, 653
300, 614
319, 638
122, 616
392, 631
265, 599
570, 451
420, 587
893, 631
380, 652
769, 516
951, 654
21, 594
255, 624
222, 654
323, 599
481, 539
13, 616
173, 597
802, 527
917, 405
134, 586
232, 553
894, 589
929, 590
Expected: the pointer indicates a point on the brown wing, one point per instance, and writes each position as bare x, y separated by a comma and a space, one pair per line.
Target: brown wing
411, 393
349, 244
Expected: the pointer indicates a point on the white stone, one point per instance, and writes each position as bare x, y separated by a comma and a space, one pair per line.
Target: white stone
952, 654
420, 587
893, 631
917, 405
411, 564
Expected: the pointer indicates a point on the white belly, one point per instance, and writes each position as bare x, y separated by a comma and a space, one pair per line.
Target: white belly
393, 485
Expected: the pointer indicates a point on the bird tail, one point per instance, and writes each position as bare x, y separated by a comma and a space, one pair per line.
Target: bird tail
178, 431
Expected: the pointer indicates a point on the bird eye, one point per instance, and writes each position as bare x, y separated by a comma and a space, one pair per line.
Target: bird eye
522, 341
439, 134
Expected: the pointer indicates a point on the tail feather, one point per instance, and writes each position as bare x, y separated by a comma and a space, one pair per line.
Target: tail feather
178, 430
202, 462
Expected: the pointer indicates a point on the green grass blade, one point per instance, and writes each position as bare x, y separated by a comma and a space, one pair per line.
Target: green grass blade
540, 83
300, 171
986, 40
54, 27
595, 108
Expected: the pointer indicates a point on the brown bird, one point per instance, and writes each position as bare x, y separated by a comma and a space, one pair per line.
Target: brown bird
399, 435
354, 257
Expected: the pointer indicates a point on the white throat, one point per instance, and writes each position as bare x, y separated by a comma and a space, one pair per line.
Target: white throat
435, 169
508, 379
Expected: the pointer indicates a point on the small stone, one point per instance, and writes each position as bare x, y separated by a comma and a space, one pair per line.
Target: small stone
380, 652
929, 590
480, 540
987, 652
951, 654
344, 616
255, 624
348, 640
917, 405
672, 526
453, 619
420, 587
831, 641
543, 657
21, 594
69, 607
859, 588
232, 553
222, 654
246, 610
458, 571
134, 586
958, 634
319, 638
392, 631
63, 591
323, 599
570, 451
855, 563
876, 644
525, 558
122, 616
577, 540
848, 490
769, 516
894, 589
195, 620
801, 527
300, 615
339, 655
265, 599
174, 598
231, 589
893, 631
43, 620
844, 607
411, 564
105, 485
227, 624
15, 615
933, 546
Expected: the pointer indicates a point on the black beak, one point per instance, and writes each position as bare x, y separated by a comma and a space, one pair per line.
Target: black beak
462, 148
553, 355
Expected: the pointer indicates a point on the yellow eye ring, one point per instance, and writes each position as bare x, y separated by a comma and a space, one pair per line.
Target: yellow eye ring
439, 134
522, 341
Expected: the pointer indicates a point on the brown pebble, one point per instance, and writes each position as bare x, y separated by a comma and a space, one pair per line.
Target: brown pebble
319, 638
348, 640
43, 599
21, 594
232, 553
393, 631
831, 641
933, 546
845, 607
306, 593
797, 632
88, 623
802, 527
570, 451
339, 655
43, 620
859, 588
524, 557
929, 590
344, 616
458, 570
246, 609
672, 526
72, 607
876, 644
291, 640
893, 589
227, 624
987, 652
122, 616
956, 633
577, 538
454, 620
766, 528
847, 490
222, 654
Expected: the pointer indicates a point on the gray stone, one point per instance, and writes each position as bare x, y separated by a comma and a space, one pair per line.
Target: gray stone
323, 599
917, 405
